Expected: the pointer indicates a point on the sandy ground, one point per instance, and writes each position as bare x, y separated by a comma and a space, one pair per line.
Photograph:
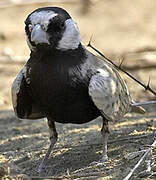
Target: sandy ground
118, 28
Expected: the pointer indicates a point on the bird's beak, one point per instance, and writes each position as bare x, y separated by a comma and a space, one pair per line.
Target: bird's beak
38, 35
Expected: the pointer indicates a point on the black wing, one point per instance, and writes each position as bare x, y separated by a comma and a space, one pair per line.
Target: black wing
22, 102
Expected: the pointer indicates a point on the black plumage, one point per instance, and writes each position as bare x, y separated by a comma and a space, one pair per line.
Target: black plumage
63, 81
59, 84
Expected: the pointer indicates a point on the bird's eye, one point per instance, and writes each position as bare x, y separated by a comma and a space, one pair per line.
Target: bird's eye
62, 25
30, 26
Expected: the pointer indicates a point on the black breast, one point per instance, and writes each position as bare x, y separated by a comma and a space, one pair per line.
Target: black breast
60, 87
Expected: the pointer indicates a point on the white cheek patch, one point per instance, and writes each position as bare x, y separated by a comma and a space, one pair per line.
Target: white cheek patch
42, 18
71, 36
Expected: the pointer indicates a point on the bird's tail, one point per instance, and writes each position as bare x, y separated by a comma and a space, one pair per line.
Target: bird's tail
138, 109
143, 107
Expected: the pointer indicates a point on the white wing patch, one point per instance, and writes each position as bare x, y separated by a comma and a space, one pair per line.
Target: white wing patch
16, 86
109, 93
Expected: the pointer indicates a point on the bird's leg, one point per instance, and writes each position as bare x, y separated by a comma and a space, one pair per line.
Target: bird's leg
104, 132
53, 139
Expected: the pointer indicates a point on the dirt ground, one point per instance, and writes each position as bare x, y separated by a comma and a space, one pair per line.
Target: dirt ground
119, 28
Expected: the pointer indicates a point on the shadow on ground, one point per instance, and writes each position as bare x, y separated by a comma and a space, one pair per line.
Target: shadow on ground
23, 144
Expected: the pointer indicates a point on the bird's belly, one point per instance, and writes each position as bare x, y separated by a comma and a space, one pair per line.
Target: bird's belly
62, 96
66, 105
76, 112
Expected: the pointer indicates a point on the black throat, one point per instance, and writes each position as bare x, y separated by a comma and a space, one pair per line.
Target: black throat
67, 58
59, 83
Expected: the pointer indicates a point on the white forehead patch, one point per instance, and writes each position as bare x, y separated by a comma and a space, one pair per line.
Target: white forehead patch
42, 17
71, 37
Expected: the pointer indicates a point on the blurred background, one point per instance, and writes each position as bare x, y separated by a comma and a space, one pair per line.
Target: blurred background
120, 29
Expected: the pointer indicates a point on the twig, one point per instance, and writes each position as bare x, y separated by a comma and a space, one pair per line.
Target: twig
144, 103
121, 62
139, 162
146, 87
133, 155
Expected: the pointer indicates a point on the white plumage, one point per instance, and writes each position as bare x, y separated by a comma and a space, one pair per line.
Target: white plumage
16, 87
71, 36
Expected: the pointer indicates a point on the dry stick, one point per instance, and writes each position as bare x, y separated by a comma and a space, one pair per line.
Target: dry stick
144, 103
139, 162
147, 87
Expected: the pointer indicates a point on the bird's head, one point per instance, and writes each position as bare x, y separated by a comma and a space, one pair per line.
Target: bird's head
51, 27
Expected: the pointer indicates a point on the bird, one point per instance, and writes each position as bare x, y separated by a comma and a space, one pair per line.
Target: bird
63, 81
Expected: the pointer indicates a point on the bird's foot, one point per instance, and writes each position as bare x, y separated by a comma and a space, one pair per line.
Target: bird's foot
53, 140
104, 158
102, 161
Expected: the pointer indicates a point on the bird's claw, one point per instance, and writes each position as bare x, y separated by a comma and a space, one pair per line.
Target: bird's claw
100, 162
104, 158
